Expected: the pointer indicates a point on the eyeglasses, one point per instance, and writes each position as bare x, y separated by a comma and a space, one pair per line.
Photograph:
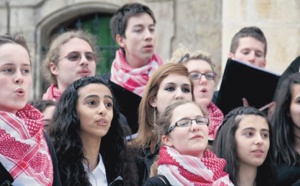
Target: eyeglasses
76, 56
200, 120
198, 75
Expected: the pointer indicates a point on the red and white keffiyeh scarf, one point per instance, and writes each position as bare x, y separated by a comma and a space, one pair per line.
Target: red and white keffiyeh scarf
52, 93
216, 117
133, 79
189, 170
23, 149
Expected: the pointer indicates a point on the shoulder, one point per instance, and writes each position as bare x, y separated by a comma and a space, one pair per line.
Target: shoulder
158, 180
288, 175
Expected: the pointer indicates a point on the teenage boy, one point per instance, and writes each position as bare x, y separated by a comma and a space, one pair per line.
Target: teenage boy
249, 45
133, 28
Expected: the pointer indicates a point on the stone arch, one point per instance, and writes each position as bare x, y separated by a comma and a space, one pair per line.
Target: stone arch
50, 22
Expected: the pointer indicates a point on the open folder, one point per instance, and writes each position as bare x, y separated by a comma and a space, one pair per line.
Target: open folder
241, 80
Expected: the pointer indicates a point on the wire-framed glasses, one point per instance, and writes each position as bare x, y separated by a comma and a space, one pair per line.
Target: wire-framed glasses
76, 56
186, 122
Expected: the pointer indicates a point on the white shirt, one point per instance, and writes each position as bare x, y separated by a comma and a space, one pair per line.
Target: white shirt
98, 176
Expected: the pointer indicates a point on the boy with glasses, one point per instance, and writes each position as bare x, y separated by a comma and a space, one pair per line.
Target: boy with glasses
72, 56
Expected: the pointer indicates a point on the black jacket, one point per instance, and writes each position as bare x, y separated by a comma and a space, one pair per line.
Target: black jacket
128, 103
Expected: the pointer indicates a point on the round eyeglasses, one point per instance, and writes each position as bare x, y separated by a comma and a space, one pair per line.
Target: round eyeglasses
200, 120
76, 56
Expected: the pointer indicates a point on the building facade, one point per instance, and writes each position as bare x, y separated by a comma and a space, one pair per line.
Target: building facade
208, 25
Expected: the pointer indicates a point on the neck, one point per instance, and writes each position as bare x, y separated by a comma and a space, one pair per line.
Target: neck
61, 87
91, 152
297, 139
136, 62
247, 175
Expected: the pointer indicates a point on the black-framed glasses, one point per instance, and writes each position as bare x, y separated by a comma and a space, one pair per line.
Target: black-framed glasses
198, 75
200, 120
76, 56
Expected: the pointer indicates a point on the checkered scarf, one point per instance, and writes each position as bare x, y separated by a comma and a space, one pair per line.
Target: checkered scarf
133, 79
23, 148
52, 93
189, 170
216, 117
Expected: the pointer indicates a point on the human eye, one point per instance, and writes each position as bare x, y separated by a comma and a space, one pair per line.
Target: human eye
201, 121
108, 104
186, 89
248, 133
152, 29
170, 88
245, 52
265, 135
8, 70
258, 54
210, 76
73, 56
195, 76
183, 123
92, 102
90, 56
26, 71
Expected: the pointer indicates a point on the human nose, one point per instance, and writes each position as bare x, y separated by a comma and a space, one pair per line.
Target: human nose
194, 125
102, 109
83, 60
259, 140
179, 94
148, 35
251, 57
202, 79
19, 79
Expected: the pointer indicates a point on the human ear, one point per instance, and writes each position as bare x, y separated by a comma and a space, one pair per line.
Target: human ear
230, 55
120, 40
53, 68
152, 102
166, 140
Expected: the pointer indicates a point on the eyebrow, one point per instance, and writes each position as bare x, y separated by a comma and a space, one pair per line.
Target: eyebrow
141, 25
13, 64
172, 83
96, 96
251, 128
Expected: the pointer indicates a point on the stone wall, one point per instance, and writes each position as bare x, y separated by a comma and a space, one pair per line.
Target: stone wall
279, 20
198, 24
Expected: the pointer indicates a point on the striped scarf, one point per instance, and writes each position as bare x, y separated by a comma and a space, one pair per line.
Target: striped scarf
189, 170
52, 93
216, 117
23, 149
133, 79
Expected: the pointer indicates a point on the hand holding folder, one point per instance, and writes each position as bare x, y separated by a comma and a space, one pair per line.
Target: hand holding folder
241, 80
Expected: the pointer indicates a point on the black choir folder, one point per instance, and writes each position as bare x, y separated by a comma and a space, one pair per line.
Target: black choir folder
241, 80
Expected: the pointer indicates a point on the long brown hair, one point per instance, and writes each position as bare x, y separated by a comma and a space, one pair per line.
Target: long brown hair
147, 113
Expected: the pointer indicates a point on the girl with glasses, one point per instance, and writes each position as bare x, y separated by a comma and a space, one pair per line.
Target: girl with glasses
168, 84
244, 140
183, 156
202, 71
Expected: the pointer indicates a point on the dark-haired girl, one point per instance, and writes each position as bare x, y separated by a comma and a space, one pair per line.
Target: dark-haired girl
88, 138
